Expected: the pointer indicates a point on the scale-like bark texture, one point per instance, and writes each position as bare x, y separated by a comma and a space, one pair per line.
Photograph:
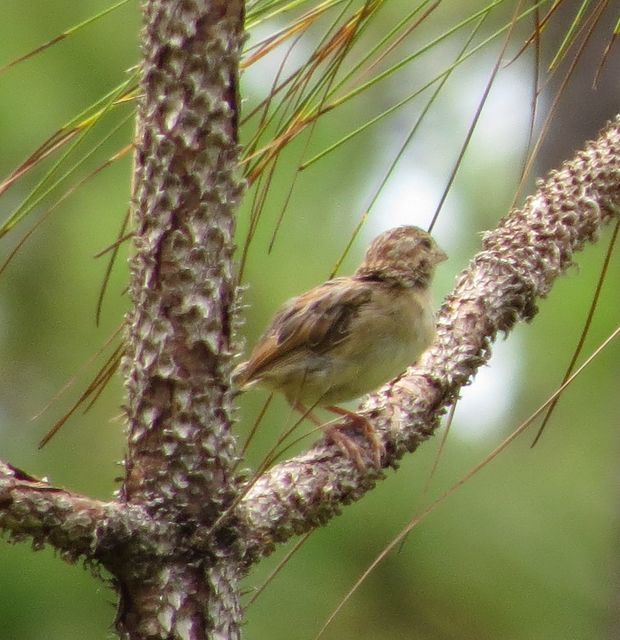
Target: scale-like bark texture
180, 449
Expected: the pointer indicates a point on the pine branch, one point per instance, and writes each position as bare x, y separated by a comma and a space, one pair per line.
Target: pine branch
78, 527
520, 260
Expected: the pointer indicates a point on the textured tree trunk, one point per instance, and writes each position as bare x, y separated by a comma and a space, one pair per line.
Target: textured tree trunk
177, 365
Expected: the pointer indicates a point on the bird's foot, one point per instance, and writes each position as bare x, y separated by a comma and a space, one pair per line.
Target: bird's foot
348, 446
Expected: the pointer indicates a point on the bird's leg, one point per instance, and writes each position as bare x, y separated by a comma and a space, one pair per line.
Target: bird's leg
368, 431
348, 447
307, 413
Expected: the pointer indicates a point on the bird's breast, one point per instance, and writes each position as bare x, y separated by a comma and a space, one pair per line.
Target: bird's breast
390, 334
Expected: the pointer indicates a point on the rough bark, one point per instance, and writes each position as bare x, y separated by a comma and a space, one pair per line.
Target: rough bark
180, 448
183, 531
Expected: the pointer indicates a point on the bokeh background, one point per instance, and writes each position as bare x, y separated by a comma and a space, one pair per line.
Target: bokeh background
526, 550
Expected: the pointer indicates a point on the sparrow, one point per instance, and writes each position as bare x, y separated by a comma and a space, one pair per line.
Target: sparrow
351, 334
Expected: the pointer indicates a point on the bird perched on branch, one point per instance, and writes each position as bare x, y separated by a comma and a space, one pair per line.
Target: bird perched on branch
351, 334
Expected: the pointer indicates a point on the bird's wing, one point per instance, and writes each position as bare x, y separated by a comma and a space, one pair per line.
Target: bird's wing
316, 321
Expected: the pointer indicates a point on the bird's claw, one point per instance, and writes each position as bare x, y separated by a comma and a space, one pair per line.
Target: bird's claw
352, 450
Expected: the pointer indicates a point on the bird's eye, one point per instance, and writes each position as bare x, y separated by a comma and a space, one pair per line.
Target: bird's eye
426, 243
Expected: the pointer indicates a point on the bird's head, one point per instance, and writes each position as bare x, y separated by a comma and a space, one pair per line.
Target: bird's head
404, 255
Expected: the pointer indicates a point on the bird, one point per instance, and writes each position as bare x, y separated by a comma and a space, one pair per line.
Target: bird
350, 335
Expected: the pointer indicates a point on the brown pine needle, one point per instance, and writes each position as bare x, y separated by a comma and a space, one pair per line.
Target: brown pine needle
256, 424
330, 79
535, 95
360, 224
442, 445
56, 141
299, 26
75, 376
60, 37
115, 244
121, 237
587, 28
98, 383
51, 209
477, 114
585, 330
539, 28
437, 459
604, 59
105, 376
412, 27
280, 566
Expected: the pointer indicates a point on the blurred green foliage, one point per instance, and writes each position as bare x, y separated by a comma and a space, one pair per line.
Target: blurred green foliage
525, 551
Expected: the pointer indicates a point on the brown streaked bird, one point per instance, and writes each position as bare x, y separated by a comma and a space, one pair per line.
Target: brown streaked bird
351, 334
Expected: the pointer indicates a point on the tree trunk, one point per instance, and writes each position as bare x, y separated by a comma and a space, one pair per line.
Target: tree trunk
177, 366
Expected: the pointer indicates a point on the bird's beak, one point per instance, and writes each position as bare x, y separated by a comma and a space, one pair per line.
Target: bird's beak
439, 255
